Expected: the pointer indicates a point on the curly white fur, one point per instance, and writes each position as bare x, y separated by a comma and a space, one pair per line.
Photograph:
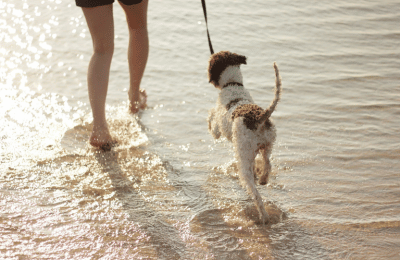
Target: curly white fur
247, 142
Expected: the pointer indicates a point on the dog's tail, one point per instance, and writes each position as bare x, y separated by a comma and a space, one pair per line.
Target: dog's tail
267, 113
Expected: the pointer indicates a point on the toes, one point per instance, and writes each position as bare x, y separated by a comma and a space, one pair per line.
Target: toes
107, 146
101, 141
134, 109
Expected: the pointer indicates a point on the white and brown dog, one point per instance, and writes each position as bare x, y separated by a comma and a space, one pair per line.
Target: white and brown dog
245, 124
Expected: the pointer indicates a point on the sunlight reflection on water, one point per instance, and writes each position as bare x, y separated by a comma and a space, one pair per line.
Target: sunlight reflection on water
167, 190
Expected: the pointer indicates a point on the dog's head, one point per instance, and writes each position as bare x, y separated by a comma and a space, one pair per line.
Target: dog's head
219, 62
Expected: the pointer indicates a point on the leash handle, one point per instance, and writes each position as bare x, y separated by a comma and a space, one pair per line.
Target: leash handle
203, 2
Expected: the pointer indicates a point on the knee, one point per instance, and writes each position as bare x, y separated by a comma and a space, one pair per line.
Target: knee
104, 48
138, 32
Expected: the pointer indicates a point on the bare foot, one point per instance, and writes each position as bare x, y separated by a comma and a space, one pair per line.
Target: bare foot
140, 103
102, 139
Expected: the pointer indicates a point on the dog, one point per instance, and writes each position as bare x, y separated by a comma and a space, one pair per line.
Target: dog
247, 125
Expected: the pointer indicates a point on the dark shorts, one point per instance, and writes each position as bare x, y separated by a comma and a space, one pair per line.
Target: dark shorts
94, 3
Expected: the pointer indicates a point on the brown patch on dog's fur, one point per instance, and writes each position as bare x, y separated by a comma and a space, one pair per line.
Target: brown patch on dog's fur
233, 102
220, 61
252, 114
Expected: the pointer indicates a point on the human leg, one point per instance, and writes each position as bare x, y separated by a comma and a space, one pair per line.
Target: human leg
101, 26
138, 52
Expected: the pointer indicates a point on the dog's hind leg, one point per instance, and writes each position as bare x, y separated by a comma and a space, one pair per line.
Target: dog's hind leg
266, 152
245, 151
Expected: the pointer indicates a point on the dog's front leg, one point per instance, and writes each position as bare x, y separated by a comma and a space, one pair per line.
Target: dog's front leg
213, 124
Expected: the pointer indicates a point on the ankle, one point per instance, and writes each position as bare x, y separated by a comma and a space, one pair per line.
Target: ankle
134, 94
100, 127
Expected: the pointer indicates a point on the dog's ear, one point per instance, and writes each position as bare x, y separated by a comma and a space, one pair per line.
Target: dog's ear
240, 59
220, 61
214, 70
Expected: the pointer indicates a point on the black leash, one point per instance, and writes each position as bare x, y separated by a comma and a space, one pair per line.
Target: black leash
203, 2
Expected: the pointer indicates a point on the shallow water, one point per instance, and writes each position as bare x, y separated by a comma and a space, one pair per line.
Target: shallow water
169, 191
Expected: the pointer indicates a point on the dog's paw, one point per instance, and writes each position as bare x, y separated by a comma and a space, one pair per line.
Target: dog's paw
263, 179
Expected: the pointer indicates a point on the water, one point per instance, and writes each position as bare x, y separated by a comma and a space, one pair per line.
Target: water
168, 191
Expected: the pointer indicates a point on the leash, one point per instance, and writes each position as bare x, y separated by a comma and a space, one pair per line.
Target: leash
203, 3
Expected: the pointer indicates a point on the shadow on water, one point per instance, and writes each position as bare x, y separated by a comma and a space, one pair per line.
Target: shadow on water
211, 234
163, 237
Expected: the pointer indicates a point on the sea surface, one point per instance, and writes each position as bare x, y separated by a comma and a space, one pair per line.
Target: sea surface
168, 190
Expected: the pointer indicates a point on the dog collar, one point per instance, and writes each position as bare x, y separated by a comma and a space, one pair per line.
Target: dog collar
232, 84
